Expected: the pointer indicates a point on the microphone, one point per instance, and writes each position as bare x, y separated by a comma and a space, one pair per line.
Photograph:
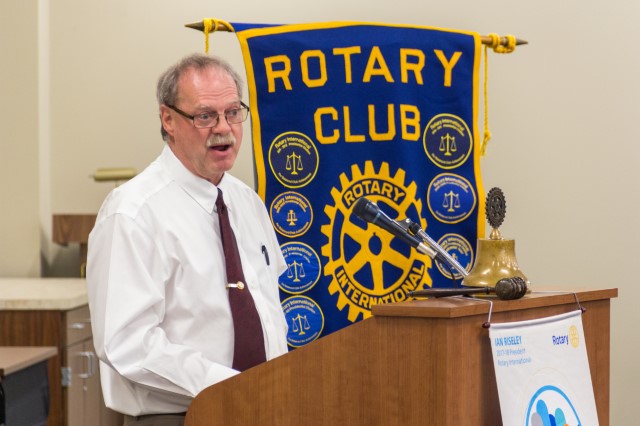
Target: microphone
370, 212
506, 289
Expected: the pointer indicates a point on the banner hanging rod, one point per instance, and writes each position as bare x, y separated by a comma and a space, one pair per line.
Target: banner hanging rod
504, 41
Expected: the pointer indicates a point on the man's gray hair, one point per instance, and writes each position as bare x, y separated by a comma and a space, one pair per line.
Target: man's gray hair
167, 90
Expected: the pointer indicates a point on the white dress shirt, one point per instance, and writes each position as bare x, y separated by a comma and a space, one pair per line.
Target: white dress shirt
162, 325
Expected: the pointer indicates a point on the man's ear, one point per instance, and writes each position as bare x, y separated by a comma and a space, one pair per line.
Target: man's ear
166, 118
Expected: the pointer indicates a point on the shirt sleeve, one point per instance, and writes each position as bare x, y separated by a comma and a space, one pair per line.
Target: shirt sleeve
126, 276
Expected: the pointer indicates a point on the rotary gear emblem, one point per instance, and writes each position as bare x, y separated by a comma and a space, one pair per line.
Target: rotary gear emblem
368, 265
496, 207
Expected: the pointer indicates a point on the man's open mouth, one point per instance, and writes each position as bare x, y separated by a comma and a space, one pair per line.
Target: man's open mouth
221, 148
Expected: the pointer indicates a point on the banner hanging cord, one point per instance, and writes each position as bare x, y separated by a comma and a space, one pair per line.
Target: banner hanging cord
211, 25
497, 47
208, 24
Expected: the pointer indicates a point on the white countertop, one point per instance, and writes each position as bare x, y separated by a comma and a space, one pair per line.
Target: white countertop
42, 293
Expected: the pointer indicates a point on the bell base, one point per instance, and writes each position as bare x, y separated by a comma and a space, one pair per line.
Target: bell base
495, 260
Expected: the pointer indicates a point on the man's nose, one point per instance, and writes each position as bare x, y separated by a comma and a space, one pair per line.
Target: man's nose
222, 125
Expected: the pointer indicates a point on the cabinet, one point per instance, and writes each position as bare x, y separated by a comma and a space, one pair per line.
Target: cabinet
81, 383
81, 376
54, 312
24, 392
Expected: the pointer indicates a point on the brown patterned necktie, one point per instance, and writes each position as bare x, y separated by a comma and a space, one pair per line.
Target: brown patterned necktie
248, 349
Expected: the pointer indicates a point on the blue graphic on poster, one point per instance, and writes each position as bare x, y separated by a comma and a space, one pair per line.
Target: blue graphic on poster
551, 406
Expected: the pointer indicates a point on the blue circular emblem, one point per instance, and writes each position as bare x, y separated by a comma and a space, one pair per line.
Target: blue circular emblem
291, 214
459, 248
303, 268
451, 198
447, 141
305, 319
294, 159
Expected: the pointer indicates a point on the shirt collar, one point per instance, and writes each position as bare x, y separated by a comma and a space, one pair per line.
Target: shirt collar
201, 190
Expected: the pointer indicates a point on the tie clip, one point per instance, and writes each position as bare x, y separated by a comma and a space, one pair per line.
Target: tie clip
239, 285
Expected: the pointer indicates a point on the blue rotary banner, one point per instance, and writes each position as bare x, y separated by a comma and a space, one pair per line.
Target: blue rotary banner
347, 110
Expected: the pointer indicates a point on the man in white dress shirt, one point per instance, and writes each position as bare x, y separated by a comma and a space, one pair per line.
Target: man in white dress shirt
162, 324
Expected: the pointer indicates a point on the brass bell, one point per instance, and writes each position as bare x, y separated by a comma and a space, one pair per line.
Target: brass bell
495, 260
495, 256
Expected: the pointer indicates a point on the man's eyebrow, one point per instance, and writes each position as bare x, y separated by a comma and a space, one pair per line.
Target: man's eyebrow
230, 105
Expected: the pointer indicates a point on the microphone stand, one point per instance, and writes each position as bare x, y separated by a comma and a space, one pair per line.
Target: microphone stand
415, 229
412, 234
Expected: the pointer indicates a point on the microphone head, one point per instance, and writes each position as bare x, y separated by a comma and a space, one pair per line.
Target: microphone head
511, 288
365, 209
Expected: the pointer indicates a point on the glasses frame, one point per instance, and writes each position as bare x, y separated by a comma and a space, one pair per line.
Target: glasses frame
243, 106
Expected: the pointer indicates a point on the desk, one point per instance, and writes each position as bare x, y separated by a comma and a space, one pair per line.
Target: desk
25, 385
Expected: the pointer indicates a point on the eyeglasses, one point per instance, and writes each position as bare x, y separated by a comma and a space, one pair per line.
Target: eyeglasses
208, 119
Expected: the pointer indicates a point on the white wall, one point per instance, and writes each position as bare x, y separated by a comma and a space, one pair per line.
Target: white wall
562, 112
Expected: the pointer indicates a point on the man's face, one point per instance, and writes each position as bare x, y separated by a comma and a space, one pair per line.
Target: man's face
207, 153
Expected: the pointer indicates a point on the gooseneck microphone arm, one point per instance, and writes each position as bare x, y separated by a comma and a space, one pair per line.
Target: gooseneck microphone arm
370, 212
416, 230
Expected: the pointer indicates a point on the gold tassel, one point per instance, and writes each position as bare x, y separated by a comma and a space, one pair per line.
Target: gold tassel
208, 23
498, 48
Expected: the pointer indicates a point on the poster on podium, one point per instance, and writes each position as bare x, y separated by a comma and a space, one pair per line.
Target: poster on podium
542, 372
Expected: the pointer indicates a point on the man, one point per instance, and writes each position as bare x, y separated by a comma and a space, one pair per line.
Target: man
158, 290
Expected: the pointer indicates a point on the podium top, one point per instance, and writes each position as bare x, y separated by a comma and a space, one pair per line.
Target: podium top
461, 306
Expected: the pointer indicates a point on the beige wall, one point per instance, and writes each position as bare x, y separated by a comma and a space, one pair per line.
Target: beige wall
19, 164
563, 113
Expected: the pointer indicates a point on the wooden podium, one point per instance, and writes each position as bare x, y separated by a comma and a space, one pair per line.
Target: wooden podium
422, 362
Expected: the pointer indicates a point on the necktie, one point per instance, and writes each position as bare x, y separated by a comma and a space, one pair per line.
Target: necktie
248, 348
